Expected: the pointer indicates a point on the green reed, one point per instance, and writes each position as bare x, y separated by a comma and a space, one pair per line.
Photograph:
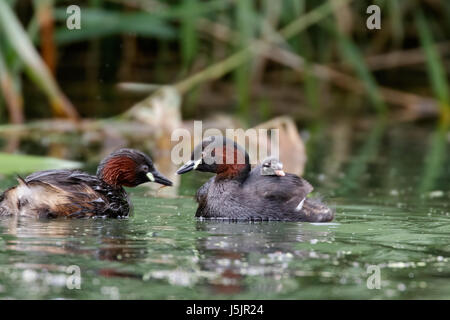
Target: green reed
174, 27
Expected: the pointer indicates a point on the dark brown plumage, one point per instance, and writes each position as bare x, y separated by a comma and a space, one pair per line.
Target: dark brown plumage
75, 194
237, 192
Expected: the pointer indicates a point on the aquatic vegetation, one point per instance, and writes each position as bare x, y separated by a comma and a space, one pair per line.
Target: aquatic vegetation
249, 39
19, 44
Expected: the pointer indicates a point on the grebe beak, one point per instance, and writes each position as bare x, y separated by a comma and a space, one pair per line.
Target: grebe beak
157, 177
189, 166
280, 173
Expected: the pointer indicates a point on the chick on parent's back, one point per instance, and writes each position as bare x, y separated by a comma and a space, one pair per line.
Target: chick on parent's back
237, 192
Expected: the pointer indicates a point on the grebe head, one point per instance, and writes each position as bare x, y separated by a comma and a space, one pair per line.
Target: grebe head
219, 155
129, 168
272, 167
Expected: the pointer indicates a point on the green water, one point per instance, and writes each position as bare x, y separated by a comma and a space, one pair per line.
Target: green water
390, 191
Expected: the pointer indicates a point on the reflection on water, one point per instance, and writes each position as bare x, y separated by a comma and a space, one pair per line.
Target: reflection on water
385, 219
229, 247
99, 238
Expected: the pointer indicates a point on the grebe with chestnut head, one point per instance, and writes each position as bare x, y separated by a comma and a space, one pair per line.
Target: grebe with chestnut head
239, 193
76, 194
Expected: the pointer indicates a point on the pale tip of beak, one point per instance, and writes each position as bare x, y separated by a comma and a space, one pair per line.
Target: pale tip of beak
280, 173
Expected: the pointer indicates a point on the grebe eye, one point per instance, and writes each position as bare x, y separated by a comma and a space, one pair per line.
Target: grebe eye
145, 168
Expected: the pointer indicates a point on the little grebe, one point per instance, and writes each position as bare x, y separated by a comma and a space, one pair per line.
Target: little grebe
76, 194
237, 192
272, 167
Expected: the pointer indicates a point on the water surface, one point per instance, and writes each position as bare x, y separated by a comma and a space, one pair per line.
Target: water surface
390, 191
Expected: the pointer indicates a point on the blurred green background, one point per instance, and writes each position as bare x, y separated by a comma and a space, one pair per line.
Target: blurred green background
252, 59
